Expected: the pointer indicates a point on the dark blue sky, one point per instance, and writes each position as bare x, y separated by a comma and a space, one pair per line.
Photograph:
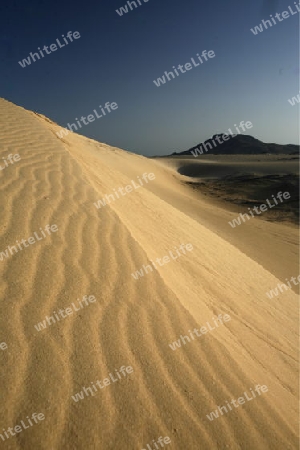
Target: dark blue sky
117, 58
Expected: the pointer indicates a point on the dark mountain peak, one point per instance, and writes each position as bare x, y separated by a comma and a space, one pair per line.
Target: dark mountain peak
238, 144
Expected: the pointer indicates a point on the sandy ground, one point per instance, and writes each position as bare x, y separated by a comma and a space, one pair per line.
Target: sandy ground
236, 183
133, 321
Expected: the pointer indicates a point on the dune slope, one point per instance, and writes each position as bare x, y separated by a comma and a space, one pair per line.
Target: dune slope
133, 321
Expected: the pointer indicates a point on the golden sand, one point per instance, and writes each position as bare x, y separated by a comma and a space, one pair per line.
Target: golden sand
94, 251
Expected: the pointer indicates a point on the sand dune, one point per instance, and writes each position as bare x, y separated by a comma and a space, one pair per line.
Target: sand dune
94, 252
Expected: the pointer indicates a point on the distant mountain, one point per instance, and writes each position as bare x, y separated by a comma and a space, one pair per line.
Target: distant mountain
240, 144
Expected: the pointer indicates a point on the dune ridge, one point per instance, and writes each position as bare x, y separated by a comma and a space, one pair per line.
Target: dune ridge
132, 322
